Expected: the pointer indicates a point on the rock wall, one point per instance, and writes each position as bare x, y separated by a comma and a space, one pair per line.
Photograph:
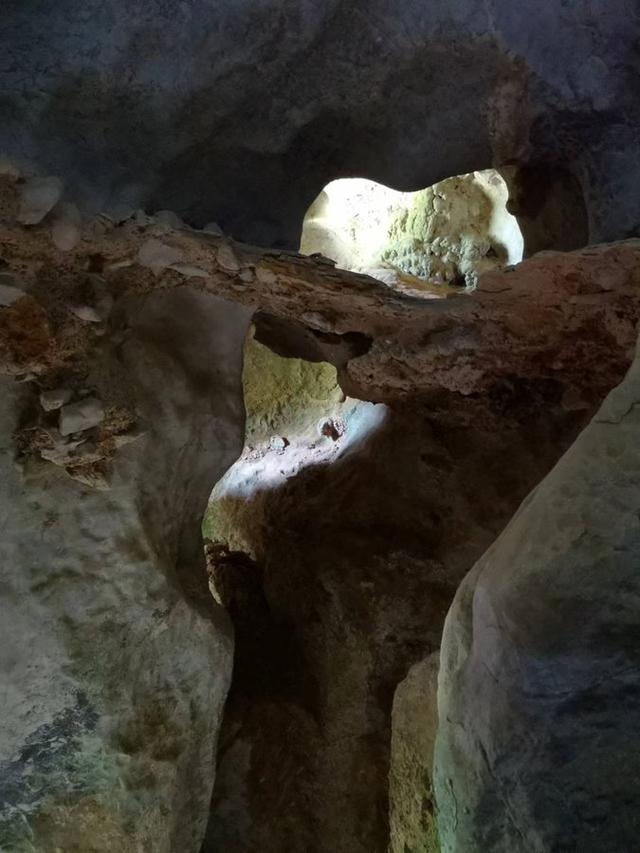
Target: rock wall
351, 575
241, 113
115, 661
356, 573
539, 677
414, 722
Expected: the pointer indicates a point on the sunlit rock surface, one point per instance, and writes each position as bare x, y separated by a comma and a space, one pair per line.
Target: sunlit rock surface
539, 680
446, 234
297, 417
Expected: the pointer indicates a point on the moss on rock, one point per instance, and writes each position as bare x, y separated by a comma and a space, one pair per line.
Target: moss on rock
284, 394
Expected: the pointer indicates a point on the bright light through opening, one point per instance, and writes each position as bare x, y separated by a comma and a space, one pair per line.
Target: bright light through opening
433, 240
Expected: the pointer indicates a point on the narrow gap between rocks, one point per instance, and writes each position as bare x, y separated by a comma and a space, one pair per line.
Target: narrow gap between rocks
299, 422
315, 544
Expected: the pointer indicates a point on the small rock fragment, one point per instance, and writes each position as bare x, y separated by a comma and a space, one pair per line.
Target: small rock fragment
10, 294
121, 212
227, 259
278, 443
62, 451
55, 399
141, 219
88, 476
190, 270
66, 229
119, 265
213, 228
265, 276
127, 438
80, 416
168, 217
158, 256
86, 313
39, 196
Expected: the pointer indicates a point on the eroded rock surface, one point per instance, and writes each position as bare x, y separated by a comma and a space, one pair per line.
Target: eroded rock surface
414, 722
263, 103
115, 661
539, 684
350, 576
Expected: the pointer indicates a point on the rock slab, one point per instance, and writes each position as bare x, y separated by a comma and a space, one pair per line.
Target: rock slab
540, 666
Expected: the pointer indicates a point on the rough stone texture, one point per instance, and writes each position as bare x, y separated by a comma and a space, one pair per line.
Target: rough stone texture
564, 319
263, 103
352, 575
549, 205
414, 721
357, 574
285, 397
115, 661
449, 233
539, 685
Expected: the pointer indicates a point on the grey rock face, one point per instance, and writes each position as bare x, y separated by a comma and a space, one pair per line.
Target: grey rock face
80, 416
540, 666
263, 103
114, 659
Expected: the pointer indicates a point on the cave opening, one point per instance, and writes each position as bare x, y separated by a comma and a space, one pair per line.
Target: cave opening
430, 242
323, 540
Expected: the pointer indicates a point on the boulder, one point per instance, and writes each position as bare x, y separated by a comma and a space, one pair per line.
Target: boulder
114, 659
540, 664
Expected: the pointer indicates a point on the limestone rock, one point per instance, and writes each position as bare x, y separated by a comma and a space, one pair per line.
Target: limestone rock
157, 255
39, 196
414, 721
55, 398
66, 229
449, 233
349, 576
9, 294
408, 94
80, 416
540, 668
110, 719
